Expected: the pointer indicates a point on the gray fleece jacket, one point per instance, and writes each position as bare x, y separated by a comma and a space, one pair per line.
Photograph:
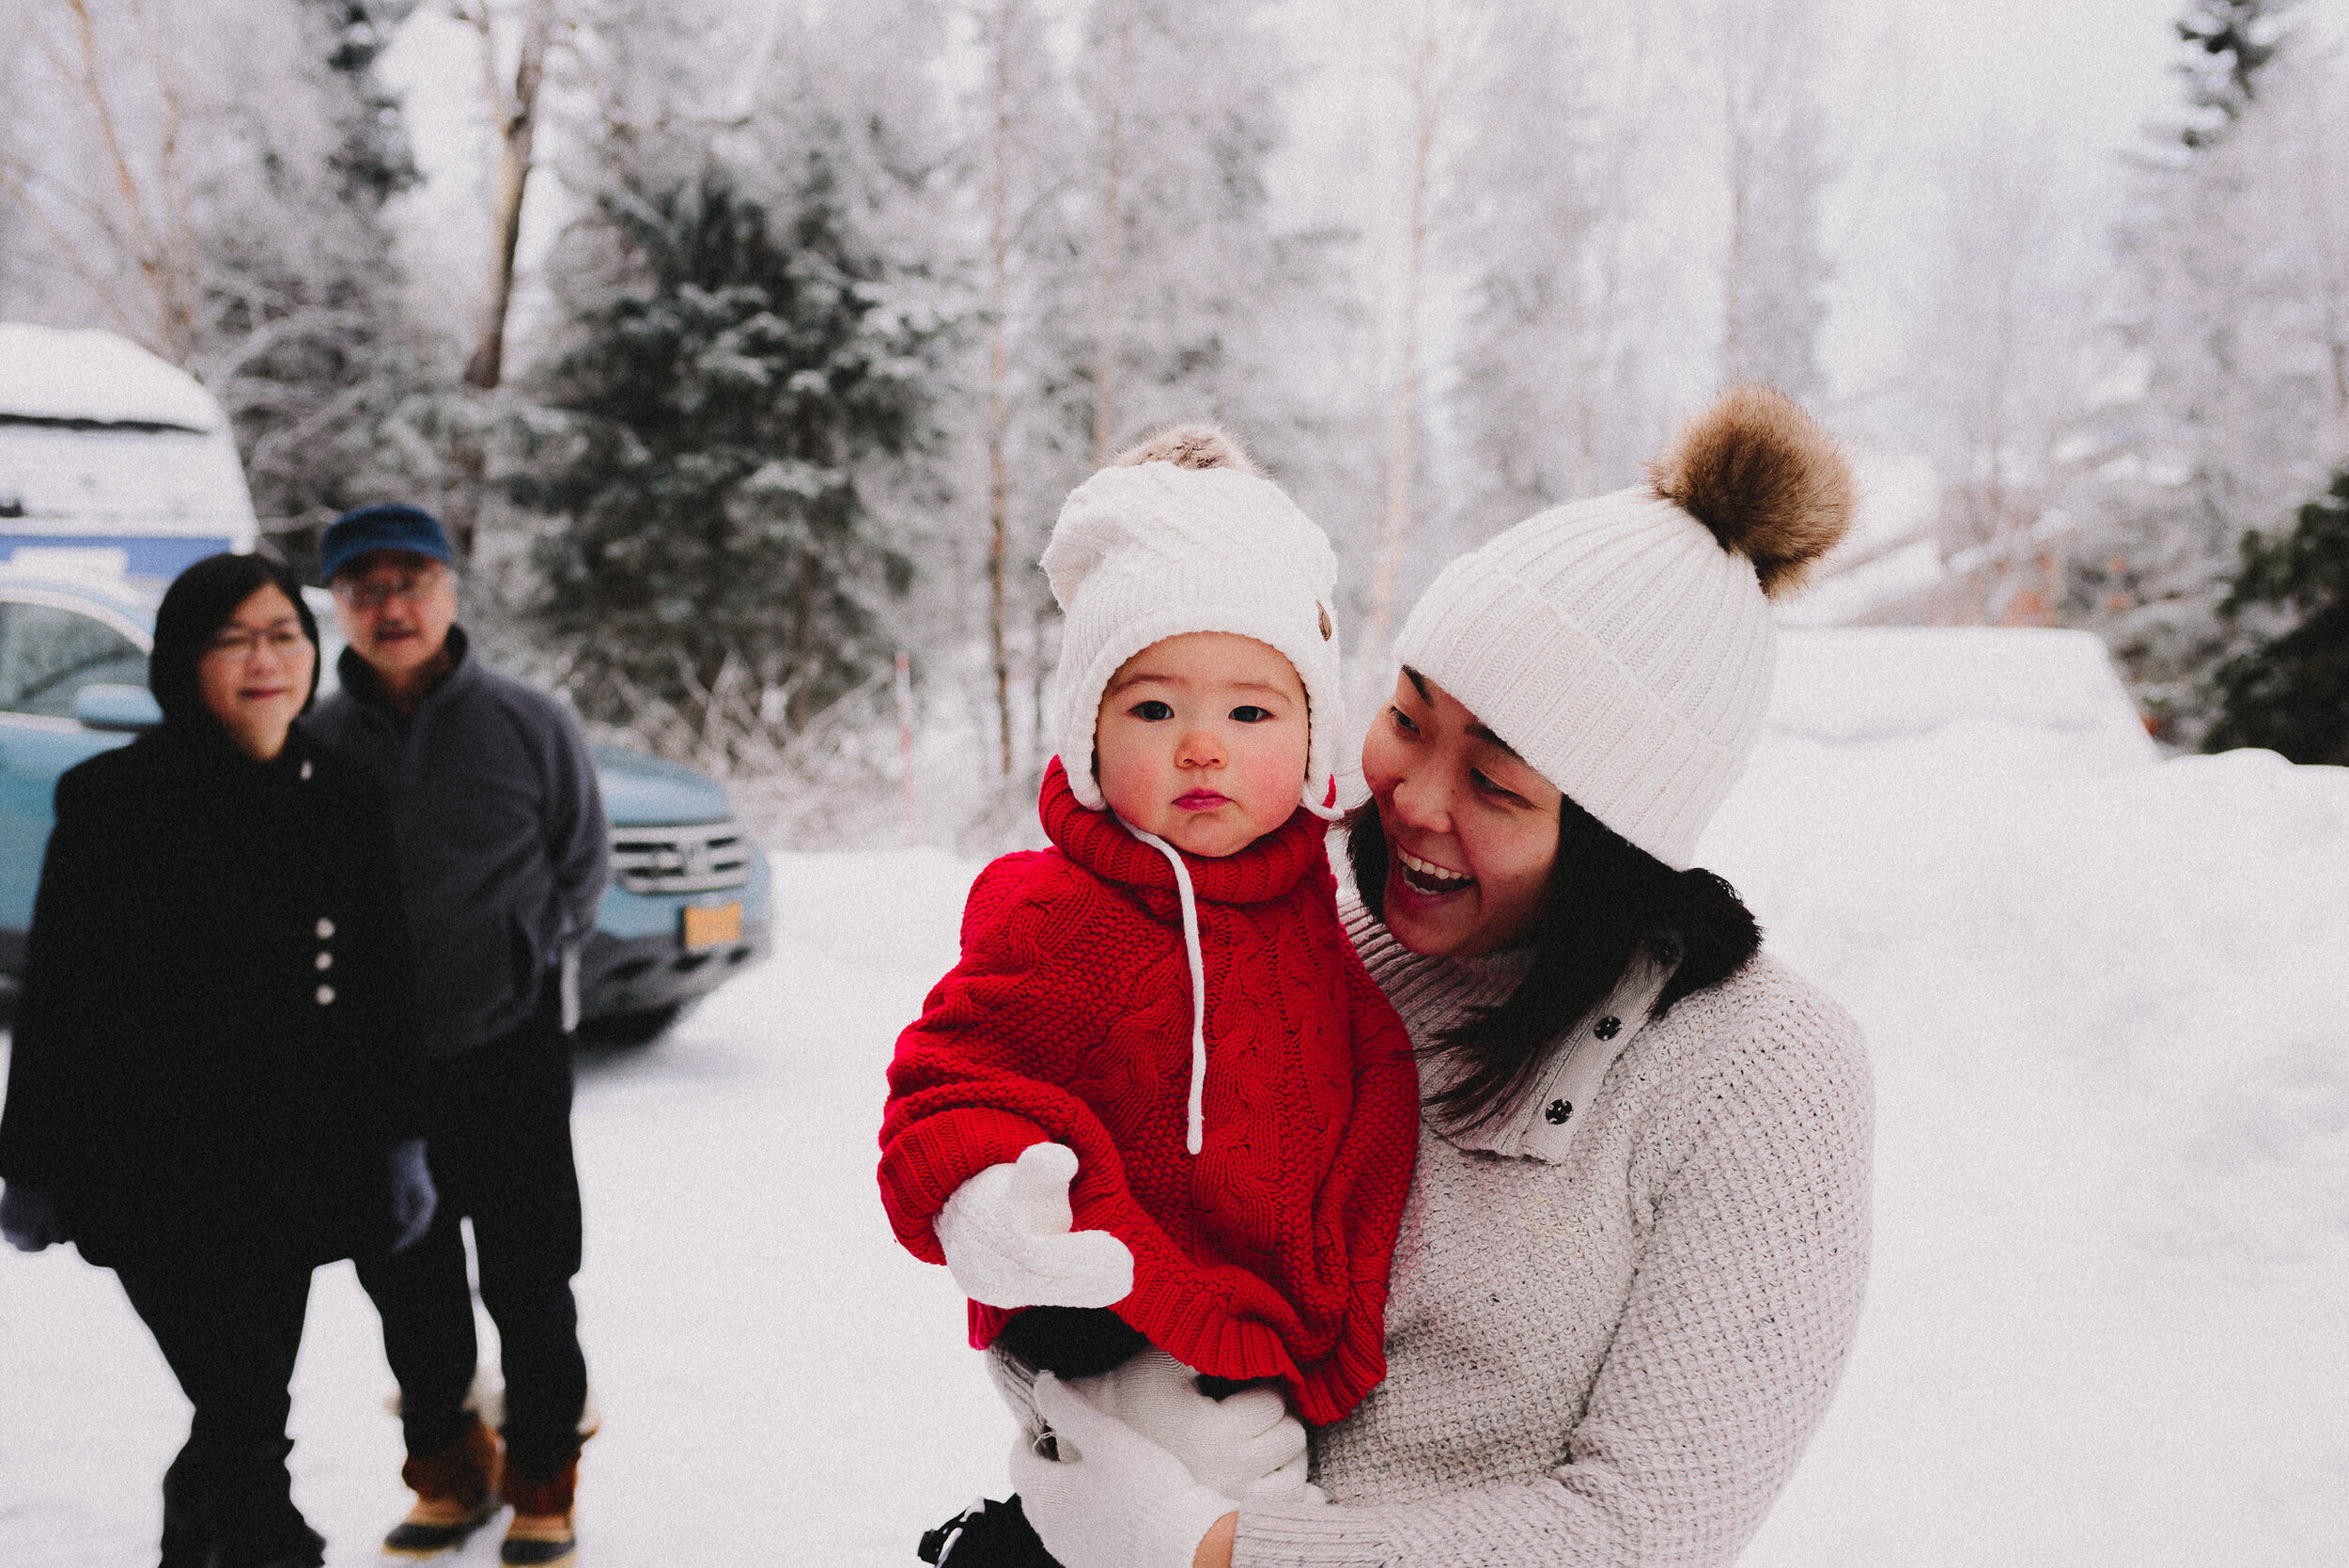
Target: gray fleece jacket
503, 844
1608, 1347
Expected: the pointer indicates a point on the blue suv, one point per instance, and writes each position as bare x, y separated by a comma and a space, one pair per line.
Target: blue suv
689, 901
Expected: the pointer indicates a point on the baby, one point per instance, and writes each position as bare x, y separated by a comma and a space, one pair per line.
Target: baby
1159, 1103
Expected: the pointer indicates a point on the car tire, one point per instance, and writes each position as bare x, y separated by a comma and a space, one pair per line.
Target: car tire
640, 1027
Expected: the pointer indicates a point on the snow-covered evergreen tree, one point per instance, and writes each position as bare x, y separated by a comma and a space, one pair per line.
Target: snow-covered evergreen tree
738, 359
2234, 331
2288, 689
2229, 43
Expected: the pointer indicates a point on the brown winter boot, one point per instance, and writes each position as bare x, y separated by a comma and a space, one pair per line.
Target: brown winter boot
457, 1493
540, 1534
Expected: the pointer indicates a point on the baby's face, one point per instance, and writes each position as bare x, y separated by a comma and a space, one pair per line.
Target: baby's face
1201, 740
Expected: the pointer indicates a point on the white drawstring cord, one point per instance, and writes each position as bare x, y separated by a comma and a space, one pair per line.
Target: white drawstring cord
1197, 1119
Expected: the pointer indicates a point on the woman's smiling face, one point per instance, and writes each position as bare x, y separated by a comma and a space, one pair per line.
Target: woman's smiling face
1472, 829
255, 674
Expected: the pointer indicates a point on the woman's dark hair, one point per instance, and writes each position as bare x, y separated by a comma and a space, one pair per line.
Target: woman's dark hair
1606, 899
196, 605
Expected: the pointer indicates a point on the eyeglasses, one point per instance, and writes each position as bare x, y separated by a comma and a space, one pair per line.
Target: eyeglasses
279, 637
374, 593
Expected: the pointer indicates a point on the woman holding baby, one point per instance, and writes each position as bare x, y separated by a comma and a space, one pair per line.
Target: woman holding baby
1619, 1294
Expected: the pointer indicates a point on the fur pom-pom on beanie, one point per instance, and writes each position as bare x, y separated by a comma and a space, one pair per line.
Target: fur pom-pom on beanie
1622, 645
1183, 534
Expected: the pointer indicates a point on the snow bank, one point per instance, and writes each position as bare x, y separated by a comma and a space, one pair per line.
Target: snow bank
2108, 1006
1888, 683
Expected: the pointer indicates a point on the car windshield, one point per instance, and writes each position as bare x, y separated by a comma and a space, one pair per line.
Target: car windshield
50, 652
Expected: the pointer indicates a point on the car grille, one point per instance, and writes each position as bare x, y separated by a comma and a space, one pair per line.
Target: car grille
701, 858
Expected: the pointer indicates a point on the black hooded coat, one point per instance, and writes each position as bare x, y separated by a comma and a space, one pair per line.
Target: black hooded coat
216, 1028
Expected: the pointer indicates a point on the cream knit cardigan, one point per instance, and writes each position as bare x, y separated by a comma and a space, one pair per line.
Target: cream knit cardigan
1615, 1357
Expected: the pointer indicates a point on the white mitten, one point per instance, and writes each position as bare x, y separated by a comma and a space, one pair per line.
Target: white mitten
1007, 1236
1248, 1443
1112, 1499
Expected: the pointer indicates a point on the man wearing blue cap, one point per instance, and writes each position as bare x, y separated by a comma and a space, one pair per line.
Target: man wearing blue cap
503, 850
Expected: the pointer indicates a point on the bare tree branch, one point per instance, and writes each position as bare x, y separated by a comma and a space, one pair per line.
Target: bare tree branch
70, 250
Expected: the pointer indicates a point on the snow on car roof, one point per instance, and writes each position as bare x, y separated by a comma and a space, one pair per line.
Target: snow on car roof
46, 373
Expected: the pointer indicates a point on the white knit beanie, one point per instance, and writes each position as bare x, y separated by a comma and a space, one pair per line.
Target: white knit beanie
1622, 645
1181, 535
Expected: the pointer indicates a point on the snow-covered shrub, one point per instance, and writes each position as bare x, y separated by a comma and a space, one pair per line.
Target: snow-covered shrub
2289, 691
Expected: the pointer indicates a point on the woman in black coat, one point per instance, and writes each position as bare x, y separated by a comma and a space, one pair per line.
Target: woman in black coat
204, 1088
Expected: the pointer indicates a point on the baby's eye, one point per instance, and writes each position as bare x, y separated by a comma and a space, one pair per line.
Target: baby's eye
1250, 714
1152, 711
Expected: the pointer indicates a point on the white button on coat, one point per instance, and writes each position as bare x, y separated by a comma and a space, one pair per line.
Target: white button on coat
326, 927
326, 960
326, 995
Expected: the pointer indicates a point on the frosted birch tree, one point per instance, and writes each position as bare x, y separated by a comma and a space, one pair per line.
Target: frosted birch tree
1437, 45
525, 31
247, 247
1999, 335
1034, 416
1550, 402
1189, 272
1774, 269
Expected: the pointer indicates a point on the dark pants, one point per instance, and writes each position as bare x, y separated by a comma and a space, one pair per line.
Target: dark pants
230, 1329
498, 1138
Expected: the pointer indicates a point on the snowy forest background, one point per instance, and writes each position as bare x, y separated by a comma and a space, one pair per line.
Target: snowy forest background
746, 347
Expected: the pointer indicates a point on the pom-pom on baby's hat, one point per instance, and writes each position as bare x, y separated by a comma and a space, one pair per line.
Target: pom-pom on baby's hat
1180, 534
1622, 645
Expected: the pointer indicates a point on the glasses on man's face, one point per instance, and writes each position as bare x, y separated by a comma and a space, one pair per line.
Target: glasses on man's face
374, 593
279, 637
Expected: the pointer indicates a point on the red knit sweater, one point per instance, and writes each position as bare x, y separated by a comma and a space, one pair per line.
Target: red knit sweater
1069, 1018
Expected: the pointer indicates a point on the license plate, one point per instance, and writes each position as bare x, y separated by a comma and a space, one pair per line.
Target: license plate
712, 927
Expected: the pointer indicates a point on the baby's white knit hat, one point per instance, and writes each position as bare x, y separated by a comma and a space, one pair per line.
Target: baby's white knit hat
1621, 645
1180, 534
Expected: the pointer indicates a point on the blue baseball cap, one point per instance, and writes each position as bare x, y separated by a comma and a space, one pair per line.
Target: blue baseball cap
373, 528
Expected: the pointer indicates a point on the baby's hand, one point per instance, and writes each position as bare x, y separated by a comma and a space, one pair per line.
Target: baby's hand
1247, 1443
1007, 1236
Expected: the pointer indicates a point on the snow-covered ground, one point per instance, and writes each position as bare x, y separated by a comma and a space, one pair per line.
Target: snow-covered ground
2108, 1003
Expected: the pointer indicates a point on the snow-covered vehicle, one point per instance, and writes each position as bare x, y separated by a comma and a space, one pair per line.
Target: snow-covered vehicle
115, 472
110, 457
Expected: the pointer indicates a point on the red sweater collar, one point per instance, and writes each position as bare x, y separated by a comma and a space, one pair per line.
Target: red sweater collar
1268, 869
